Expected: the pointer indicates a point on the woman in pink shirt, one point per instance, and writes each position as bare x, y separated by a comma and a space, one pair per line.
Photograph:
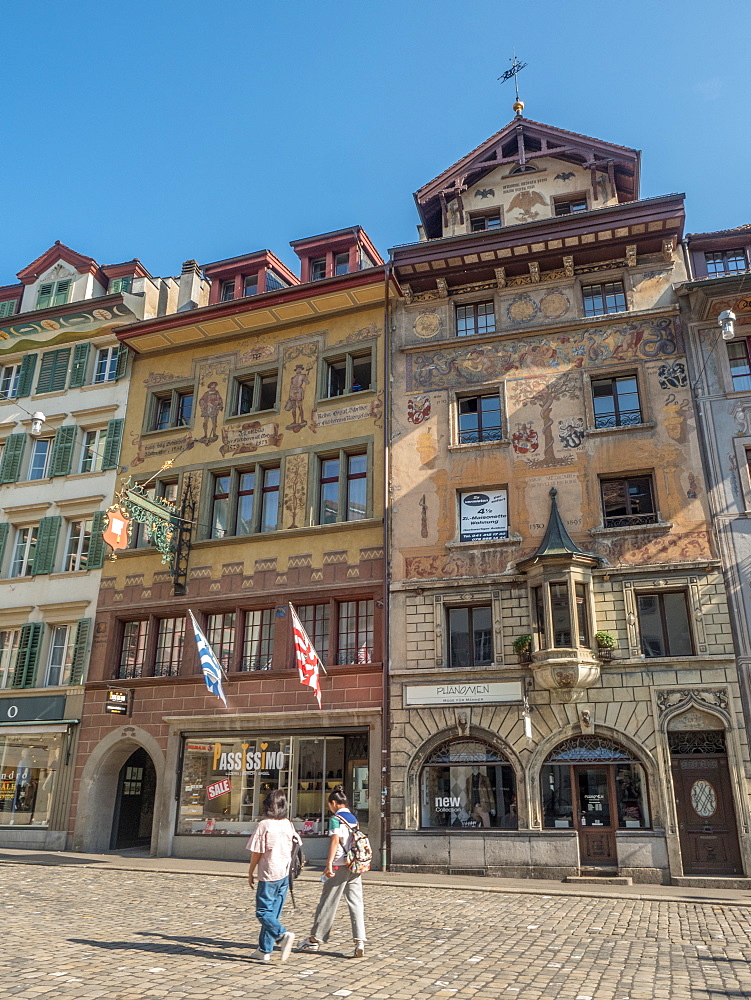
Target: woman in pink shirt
271, 855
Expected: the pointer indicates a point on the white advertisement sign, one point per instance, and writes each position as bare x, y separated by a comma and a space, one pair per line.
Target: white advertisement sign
469, 693
483, 515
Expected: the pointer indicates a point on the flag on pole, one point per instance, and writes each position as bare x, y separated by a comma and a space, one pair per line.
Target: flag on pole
212, 668
306, 657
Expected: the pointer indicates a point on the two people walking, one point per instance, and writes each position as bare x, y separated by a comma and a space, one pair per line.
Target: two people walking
271, 849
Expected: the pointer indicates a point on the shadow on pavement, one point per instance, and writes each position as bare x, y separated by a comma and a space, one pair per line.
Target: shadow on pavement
163, 948
45, 859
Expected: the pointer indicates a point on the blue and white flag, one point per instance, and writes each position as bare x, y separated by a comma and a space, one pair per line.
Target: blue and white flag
212, 668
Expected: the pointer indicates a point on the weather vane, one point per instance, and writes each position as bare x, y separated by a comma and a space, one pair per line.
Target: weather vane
516, 67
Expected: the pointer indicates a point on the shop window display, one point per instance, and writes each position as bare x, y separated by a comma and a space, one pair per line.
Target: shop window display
467, 784
28, 769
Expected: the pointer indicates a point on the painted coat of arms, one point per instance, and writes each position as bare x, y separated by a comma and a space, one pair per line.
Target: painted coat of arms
525, 440
418, 409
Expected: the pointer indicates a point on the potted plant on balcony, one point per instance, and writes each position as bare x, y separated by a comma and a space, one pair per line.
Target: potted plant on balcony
606, 643
523, 648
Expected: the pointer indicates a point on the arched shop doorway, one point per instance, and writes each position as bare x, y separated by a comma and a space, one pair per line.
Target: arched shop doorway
595, 786
134, 804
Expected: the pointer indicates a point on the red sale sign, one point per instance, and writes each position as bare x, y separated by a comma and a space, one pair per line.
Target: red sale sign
218, 788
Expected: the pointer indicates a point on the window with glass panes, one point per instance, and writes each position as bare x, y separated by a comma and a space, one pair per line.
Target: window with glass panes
270, 480
24, 548
256, 392
726, 261
77, 546
220, 506
664, 624
9, 381
350, 373
250, 284
343, 488
616, 401
169, 647
39, 460
9, 639
470, 636
341, 263
355, 644
740, 365
317, 268
481, 221
608, 297
174, 409
480, 418
570, 206
220, 631
315, 621
105, 369
258, 640
228, 290
628, 501
60, 659
92, 450
476, 317
133, 650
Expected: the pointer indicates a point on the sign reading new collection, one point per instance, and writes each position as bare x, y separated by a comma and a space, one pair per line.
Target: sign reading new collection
118, 702
31, 709
483, 515
471, 693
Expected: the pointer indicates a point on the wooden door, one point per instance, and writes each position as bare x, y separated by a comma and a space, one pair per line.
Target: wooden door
706, 815
595, 815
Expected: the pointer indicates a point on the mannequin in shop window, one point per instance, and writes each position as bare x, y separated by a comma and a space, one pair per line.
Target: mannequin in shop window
480, 798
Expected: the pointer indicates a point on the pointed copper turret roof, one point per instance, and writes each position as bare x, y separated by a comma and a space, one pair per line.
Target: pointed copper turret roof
557, 541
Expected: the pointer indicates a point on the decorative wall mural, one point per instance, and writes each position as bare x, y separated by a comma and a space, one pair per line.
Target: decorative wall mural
423, 517
524, 202
596, 347
672, 375
418, 409
151, 449
306, 356
571, 433
247, 437
371, 408
213, 381
364, 333
554, 304
211, 405
485, 193
428, 324
542, 394
295, 488
525, 440
257, 353
161, 378
638, 549
521, 309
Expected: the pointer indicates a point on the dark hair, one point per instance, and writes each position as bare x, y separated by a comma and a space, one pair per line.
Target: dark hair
275, 805
338, 795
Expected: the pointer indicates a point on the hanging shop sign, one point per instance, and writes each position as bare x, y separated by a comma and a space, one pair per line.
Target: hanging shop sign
483, 515
117, 529
158, 516
471, 693
118, 702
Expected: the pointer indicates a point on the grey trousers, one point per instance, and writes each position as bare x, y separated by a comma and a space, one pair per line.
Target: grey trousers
344, 883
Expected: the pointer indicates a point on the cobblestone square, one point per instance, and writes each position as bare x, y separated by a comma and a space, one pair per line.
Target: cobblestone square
74, 932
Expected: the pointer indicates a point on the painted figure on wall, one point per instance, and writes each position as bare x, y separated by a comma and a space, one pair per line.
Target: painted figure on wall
211, 405
544, 393
296, 396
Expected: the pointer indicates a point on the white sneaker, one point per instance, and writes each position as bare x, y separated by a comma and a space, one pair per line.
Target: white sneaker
285, 943
260, 956
359, 949
309, 945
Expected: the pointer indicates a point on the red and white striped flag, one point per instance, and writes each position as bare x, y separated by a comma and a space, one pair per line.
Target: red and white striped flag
363, 654
306, 656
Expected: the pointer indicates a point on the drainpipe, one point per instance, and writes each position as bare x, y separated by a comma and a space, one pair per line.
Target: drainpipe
385, 721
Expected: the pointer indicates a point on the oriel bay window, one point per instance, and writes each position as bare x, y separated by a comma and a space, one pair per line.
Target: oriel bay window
343, 488
566, 602
470, 636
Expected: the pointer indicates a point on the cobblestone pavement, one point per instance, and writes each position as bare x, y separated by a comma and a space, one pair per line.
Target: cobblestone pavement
70, 933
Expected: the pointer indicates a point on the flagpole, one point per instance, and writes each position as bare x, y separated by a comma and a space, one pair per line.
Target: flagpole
320, 661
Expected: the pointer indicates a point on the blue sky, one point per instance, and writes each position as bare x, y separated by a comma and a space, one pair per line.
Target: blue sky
169, 131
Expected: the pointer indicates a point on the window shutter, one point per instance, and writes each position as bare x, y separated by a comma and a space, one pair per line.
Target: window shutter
111, 457
79, 366
8, 307
122, 361
44, 556
80, 650
10, 467
26, 375
97, 545
62, 291
44, 295
61, 457
53, 370
4, 528
27, 656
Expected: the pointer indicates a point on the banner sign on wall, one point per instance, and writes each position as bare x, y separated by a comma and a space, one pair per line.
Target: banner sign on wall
483, 515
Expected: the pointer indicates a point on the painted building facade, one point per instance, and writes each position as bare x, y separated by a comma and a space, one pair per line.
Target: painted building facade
268, 406
63, 391
564, 693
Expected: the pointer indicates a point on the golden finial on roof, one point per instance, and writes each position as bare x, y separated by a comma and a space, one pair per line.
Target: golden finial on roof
518, 107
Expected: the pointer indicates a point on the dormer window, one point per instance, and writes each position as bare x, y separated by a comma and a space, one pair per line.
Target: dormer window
228, 290
120, 285
318, 269
570, 206
8, 308
481, 221
341, 263
726, 262
53, 293
250, 285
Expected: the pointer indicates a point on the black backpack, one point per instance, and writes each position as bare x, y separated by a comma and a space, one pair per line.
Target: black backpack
296, 865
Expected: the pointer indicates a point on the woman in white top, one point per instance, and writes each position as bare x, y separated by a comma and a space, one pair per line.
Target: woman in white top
271, 856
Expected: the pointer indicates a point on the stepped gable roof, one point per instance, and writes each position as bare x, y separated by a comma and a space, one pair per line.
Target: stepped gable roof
520, 142
57, 252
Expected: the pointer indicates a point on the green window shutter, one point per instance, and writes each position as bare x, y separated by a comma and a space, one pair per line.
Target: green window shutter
80, 365
122, 361
27, 657
97, 545
4, 529
62, 291
44, 556
8, 307
80, 650
120, 285
53, 371
10, 467
26, 375
111, 457
61, 457
44, 295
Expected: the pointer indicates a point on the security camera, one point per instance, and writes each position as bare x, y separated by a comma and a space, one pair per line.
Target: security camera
726, 319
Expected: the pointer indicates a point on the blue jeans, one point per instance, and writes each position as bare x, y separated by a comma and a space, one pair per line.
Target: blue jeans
270, 898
